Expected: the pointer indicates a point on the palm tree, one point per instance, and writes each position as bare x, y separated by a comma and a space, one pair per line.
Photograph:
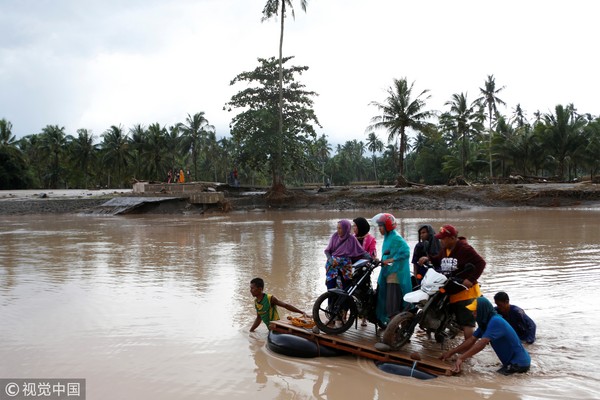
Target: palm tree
321, 151
374, 145
31, 147
116, 154
8, 141
227, 156
352, 153
590, 155
6, 136
212, 152
490, 99
13, 166
272, 9
54, 142
173, 146
83, 153
194, 135
519, 116
525, 149
399, 112
563, 135
137, 146
155, 152
463, 122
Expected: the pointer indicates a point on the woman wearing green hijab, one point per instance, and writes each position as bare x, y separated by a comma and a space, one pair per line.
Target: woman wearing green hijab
492, 328
394, 278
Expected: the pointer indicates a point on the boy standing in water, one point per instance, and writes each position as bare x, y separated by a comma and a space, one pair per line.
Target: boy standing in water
266, 304
516, 317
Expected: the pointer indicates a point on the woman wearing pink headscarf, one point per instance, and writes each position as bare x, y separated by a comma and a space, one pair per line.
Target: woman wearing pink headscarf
342, 248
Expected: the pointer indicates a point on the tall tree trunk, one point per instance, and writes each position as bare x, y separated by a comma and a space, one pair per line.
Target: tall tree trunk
277, 170
463, 161
490, 139
195, 156
401, 181
375, 167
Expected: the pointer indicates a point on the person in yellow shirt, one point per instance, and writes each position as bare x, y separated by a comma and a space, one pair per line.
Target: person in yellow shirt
458, 259
266, 304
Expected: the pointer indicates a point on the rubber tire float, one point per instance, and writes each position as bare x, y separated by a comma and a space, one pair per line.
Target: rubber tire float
296, 346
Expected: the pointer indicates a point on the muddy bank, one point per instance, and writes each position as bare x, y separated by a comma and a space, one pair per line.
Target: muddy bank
450, 197
336, 198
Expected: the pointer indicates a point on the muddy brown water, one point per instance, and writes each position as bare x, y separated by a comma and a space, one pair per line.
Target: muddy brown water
148, 307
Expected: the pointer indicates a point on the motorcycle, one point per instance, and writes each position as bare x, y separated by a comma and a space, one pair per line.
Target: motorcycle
336, 310
430, 310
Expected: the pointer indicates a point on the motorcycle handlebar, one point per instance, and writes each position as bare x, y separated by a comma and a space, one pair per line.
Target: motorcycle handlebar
376, 261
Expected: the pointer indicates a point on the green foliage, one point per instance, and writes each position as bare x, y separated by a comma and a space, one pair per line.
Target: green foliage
14, 173
194, 139
463, 127
82, 156
13, 167
562, 144
399, 112
592, 149
425, 163
116, 156
254, 130
489, 98
563, 136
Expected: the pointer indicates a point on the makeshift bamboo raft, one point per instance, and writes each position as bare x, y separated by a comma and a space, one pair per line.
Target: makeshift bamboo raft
361, 342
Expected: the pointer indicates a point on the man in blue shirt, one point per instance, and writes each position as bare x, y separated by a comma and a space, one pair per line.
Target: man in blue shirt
516, 317
495, 330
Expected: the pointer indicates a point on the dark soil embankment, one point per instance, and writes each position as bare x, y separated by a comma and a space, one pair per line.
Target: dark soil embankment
430, 197
49, 206
345, 198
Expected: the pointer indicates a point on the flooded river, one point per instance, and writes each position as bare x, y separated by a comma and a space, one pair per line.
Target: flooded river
148, 307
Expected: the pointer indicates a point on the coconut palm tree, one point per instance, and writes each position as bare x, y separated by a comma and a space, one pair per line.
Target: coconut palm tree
83, 153
353, 151
563, 135
490, 100
13, 166
399, 112
227, 156
462, 122
374, 145
115, 152
321, 150
54, 143
137, 146
6, 136
271, 9
519, 116
592, 149
194, 134
8, 141
155, 152
212, 152
525, 148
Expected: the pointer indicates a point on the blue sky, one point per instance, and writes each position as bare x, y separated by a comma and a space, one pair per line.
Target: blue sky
95, 63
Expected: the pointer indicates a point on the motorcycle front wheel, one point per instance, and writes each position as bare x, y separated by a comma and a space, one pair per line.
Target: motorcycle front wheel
334, 313
399, 330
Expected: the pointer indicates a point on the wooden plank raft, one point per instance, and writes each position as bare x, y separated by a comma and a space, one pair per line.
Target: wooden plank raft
361, 342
